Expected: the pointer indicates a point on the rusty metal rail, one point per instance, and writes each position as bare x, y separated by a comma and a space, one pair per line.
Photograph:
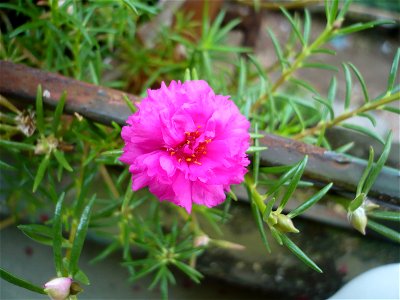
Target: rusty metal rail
104, 105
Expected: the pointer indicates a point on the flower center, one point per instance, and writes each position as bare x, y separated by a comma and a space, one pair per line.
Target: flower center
190, 150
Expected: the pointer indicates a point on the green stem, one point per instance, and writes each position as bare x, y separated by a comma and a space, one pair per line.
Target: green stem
108, 181
347, 115
255, 195
325, 36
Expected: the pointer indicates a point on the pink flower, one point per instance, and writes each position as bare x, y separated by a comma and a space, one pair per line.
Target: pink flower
186, 144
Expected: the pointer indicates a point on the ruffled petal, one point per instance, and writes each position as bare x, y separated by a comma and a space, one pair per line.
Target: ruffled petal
186, 144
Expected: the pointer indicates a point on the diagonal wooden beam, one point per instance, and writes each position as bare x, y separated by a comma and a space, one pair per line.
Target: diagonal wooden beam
104, 105
97, 103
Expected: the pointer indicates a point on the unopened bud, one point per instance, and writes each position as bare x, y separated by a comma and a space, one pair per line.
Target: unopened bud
201, 240
358, 219
285, 224
337, 24
58, 288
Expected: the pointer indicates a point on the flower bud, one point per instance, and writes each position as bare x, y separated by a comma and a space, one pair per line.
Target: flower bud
358, 219
201, 240
285, 224
58, 288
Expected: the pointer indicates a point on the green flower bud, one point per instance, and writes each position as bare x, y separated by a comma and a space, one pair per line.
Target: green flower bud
285, 224
358, 219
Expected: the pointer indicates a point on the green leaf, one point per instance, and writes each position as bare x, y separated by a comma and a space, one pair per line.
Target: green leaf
321, 136
278, 49
332, 90
19, 8
161, 273
282, 180
293, 183
363, 130
343, 10
21, 282
333, 9
254, 135
379, 165
16, 145
191, 272
129, 103
362, 26
294, 26
112, 153
309, 202
40, 173
369, 117
356, 203
299, 253
393, 71
130, 6
27, 26
187, 75
242, 77
258, 66
41, 234
61, 159
82, 277
385, 215
362, 82
327, 104
268, 209
392, 109
6, 166
59, 111
385, 231
349, 83
39, 110
260, 225
323, 51
307, 26
304, 85
80, 238
256, 158
253, 149
57, 235
365, 174
195, 76
344, 148
317, 65
275, 170
232, 195
276, 234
